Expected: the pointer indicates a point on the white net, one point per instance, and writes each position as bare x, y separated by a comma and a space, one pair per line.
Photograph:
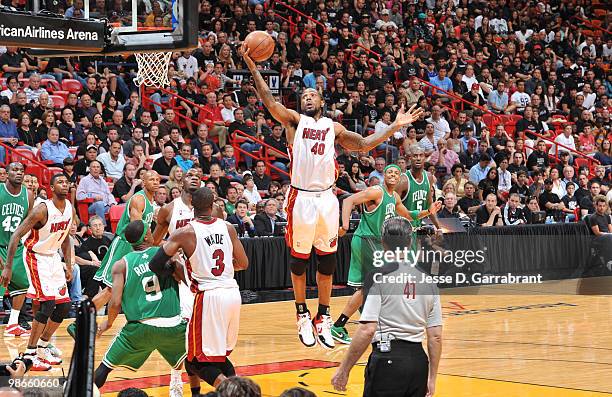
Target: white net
153, 68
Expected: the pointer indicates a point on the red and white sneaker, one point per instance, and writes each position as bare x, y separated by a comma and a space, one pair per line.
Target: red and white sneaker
322, 325
45, 355
16, 330
37, 364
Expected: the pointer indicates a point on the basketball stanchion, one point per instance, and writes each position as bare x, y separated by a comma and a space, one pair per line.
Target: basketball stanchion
81, 373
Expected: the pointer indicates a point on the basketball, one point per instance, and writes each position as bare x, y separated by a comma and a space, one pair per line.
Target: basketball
260, 45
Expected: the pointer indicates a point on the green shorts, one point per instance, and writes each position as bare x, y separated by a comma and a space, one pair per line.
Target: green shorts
117, 250
136, 341
19, 280
362, 258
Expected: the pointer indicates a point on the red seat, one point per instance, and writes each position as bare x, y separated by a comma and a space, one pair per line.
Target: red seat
51, 85
115, 213
581, 162
58, 101
73, 152
48, 174
72, 85
83, 209
63, 94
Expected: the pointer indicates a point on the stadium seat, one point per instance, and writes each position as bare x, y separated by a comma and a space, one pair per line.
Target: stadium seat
62, 93
58, 101
83, 209
71, 85
115, 213
51, 85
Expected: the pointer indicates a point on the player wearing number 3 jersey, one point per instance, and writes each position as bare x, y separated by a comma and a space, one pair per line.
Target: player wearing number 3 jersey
213, 253
311, 206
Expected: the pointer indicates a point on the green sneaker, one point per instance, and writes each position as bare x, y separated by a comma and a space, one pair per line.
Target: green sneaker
71, 329
341, 335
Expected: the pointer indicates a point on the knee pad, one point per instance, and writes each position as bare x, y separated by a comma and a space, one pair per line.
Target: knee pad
44, 311
60, 312
327, 264
298, 265
208, 372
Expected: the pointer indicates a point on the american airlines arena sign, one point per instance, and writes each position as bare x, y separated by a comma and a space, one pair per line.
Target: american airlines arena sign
23, 30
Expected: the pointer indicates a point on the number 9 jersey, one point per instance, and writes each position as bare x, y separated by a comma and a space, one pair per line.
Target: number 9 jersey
211, 265
144, 295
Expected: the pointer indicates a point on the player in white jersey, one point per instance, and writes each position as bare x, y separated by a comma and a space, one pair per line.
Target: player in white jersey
312, 208
214, 252
48, 225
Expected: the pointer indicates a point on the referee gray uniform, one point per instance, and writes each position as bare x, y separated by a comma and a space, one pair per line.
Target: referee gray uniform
398, 365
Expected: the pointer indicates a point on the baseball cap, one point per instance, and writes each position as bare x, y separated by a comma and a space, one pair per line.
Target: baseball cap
69, 161
421, 15
385, 12
472, 142
91, 147
537, 46
475, 85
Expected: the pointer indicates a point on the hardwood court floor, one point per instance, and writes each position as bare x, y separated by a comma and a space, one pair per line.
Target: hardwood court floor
547, 344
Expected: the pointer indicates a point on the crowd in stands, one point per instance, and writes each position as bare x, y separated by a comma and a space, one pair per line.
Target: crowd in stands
516, 97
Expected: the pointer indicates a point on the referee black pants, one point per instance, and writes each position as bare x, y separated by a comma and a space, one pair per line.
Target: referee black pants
402, 372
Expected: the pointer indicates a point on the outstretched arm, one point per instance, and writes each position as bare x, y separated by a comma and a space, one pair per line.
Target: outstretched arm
402, 211
355, 142
370, 194
161, 264
278, 111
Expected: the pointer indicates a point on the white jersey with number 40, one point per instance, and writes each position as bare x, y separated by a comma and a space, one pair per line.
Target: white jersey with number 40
313, 155
211, 265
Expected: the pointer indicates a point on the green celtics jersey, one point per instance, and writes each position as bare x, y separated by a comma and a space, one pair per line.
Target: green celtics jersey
416, 196
144, 295
13, 210
147, 215
371, 222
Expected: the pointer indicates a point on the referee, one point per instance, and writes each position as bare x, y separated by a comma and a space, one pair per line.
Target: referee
395, 319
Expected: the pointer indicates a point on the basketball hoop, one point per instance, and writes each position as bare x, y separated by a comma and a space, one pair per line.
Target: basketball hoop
153, 68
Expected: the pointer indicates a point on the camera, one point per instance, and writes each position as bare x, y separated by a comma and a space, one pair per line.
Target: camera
26, 361
426, 230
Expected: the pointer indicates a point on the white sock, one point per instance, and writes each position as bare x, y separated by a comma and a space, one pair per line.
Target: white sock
14, 318
42, 343
175, 375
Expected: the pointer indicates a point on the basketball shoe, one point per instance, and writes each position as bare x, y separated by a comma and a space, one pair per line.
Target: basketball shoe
45, 355
37, 363
341, 335
54, 350
16, 330
305, 331
322, 324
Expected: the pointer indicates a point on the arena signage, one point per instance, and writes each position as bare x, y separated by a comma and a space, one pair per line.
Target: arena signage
23, 30
272, 78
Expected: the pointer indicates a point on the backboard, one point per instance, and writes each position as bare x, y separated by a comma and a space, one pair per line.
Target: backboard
129, 26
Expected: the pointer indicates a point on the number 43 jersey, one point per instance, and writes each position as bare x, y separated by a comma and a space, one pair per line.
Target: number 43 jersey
313, 155
144, 295
13, 210
211, 265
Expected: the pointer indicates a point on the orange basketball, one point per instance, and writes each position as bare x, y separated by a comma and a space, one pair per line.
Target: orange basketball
260, 45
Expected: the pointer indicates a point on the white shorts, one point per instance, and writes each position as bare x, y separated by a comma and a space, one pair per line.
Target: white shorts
186, 299
46, 276
212, 332
313, 219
